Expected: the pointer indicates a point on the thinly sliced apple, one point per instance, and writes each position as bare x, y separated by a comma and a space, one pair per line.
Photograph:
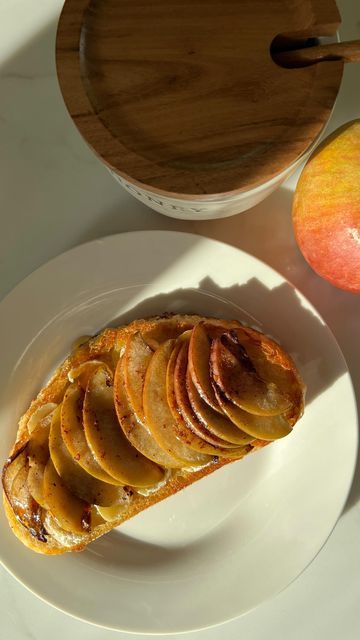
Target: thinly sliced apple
136, 360
137, 434
157, 412
178, 400
25, 506
106, 439
63, 537
190, 430
96, 518
261, 427
168, 328
109, 514
70, 512
82, 373
78, 481
41, 417
218, 424
35, 483
13, 465
273, 365
234, 373
14, 477
38, 452
38, 447
112, 513
73, 434
199, 365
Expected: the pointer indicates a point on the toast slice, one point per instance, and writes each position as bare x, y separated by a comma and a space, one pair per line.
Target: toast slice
137, 413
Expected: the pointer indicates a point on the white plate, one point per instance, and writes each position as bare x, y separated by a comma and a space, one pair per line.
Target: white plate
231, 541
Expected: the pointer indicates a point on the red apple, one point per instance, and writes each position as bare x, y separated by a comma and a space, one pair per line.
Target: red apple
326, 208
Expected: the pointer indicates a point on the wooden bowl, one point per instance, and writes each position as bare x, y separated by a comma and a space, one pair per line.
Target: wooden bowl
183, 100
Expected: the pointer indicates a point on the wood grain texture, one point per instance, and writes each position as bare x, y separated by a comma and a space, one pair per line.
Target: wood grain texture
184, 98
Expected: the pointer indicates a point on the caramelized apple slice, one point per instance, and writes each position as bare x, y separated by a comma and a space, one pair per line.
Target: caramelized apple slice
199, 365
38, 447
188, 428
38, 450
63, 537
27, 510
71, 513
178, 400
157, 413
78, 481
109, 514
261, 427
274, 365
136, 360
72, 431
106, 439
82, 373
234, 373
218, 424
37, 461
113, 513
134, 430
168, 328
35, 483
13, 465
41, 416
14, 478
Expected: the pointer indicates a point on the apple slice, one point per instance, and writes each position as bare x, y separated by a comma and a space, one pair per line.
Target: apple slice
13, 465
38, 450
189, 429
178, 400
274, 365
78, 481
218, 424
236, 376
41, 416
157, 412
134, 430
199, 364
71, 513
168, 328
261, 427
60, 535
136, 360
38, 457
19, 485
72, 431
35, 483
109, 514
26, 508
113, 513
38, 447
83, 371
106, 439
14, 479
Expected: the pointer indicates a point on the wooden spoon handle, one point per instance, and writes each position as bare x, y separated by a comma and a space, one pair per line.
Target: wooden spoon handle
344, 51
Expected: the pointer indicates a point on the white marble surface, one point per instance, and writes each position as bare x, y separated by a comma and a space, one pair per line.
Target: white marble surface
54, 195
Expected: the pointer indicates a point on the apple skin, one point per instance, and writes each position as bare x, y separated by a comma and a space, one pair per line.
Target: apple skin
326, 208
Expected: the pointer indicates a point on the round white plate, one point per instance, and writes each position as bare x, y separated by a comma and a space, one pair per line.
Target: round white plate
227, 543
